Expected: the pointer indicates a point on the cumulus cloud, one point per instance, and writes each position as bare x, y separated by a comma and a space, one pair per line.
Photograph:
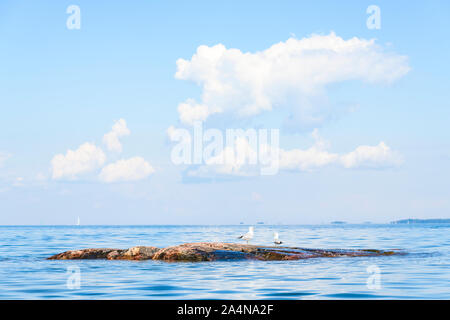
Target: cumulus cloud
365, 157
371, 157
88, 158
111, 139
85, 159
305, 160
126, 170
237, 160
289, 74
171, 133
191, 112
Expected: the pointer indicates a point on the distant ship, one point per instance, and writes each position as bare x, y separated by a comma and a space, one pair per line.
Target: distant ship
260, 222
338, 222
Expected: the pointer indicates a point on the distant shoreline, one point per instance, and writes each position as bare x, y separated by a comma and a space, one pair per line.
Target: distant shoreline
412, 221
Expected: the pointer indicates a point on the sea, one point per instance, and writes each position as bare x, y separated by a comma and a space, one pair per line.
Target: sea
422, 273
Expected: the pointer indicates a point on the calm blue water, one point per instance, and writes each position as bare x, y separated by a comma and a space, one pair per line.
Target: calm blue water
423, 273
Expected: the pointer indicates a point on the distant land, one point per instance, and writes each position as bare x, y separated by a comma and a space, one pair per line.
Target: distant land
411, 221
338, 222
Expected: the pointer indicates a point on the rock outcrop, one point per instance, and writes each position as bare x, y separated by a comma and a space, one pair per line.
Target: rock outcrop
134, 253
205, 251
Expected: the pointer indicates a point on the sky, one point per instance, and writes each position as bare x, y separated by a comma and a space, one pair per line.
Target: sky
89, 111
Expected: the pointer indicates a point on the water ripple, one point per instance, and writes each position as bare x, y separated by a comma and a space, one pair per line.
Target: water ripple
423, 273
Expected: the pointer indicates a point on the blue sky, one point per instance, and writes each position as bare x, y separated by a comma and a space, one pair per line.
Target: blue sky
61, 88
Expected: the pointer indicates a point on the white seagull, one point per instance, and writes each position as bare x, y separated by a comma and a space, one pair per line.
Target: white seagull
248, 236
276, 240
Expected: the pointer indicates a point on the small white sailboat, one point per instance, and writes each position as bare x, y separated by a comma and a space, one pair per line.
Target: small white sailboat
78, 221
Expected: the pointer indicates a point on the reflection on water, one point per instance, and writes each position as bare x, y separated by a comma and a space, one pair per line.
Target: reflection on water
423, 273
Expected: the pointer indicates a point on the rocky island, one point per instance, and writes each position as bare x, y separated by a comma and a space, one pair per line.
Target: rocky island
217, 251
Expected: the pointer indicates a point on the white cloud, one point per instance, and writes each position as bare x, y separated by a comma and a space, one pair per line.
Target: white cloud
289, 74
317, 156
232, 160
371, 157
111, 139
89, 157
85, 159
365, 157
178, 134
126, 170
235, 160
308, 159
170, 131
191, 112
305, 160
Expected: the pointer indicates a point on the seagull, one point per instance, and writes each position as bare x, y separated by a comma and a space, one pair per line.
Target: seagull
276, 240
248, 236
